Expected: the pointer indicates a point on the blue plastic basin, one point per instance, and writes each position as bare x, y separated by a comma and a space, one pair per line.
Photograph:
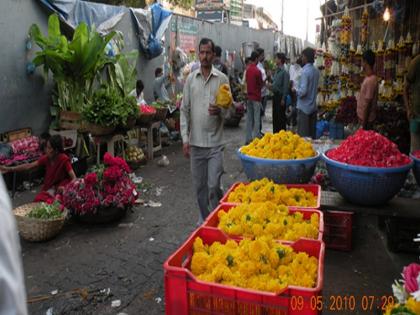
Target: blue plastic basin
366, 185
280, 171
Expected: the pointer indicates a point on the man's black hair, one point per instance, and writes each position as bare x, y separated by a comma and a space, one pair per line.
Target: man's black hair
158, 72
309, 54
260, 51
369, 57
218, 51
281, 57
205, 41
254, 56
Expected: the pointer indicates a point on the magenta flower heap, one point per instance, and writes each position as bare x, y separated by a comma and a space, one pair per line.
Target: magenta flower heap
110, 187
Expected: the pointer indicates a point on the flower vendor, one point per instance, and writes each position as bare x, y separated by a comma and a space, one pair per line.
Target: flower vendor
58, 169
368, 96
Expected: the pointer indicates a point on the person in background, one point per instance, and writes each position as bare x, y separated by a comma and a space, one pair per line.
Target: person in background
58, 169
12, 285
217, 61
295, 71
254, 84
412, 104
306, 95
159, 86
264, 90
202, 129
247, 63
139, 92
43, 139
280, 90
368, 95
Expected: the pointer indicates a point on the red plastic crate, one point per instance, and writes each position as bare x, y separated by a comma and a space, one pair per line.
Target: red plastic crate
338, 229
186, 295
213, 219
315, 189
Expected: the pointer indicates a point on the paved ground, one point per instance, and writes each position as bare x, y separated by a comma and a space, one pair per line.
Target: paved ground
92, 266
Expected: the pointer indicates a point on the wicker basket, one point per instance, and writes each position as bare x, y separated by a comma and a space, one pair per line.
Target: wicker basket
145, 118
36, 230
97, 130
134, 165
161, 114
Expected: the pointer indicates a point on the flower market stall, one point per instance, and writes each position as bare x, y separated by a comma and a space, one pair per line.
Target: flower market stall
346, 36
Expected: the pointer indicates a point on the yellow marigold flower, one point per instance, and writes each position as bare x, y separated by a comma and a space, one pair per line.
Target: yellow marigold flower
199, 262
198, 245
282, 145
413, 305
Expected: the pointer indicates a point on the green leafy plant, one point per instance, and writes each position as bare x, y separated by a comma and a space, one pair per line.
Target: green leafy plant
75, 64
46, 211
122, 74
104, 108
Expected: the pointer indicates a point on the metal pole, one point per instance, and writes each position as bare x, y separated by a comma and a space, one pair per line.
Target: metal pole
282, 11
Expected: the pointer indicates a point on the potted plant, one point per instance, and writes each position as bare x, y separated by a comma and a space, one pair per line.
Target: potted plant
75, 64
103, 195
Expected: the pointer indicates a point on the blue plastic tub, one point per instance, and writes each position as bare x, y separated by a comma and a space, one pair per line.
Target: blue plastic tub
280, 171
366, 185
416, 168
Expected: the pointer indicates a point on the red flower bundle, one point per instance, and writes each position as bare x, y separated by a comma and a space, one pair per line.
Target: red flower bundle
416, 154
110, 188
369, 148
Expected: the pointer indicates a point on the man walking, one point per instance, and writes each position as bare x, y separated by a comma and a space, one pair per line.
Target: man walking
202, 129
264, 90
306, 95
254, 83
412, 88
280, 89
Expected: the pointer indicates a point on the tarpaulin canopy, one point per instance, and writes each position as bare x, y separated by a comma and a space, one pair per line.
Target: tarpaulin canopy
149, 25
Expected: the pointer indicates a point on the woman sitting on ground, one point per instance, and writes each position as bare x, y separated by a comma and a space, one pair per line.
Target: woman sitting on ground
58, 169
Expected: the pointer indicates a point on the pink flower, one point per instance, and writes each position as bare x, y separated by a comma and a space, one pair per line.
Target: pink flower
410, 274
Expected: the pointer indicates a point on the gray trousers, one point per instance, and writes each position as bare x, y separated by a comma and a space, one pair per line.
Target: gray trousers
206, 171
306, 124
253, 120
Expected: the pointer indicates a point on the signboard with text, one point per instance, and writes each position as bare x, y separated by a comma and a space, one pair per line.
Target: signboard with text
211, 15
183, 35
209, 4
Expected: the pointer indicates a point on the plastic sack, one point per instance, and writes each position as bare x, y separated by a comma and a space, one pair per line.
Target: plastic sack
224, 96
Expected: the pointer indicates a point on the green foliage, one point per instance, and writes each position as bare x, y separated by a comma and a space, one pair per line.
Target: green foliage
122, 74
109, 108
103, 108
75, 64
46, 211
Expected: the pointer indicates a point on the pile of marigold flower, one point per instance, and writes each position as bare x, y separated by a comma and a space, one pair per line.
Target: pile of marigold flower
261, 264
266, 190
284, 145
268, 219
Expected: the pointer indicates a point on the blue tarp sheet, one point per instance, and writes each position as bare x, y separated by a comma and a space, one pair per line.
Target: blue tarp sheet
149, 25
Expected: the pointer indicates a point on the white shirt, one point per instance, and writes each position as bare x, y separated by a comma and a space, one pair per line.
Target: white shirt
295, 72
12, 287
264, 90
198, 127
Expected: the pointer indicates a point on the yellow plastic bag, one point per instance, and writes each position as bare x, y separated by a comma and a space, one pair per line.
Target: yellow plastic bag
224, 96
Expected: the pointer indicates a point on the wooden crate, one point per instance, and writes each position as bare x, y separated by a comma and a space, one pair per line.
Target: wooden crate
70, 120
17, 134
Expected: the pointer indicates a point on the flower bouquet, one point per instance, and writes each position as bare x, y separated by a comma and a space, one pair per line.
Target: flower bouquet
103, 195
407, 292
